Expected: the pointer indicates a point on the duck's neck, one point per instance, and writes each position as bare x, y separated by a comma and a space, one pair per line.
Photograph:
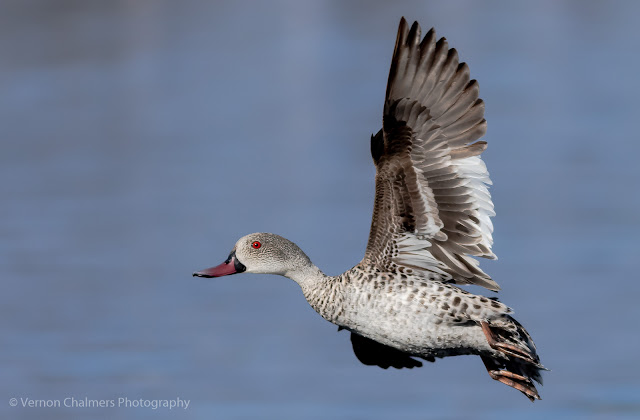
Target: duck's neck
309, 277
320, 290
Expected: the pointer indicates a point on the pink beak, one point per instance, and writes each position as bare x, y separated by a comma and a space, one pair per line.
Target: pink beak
223, 269
231, 266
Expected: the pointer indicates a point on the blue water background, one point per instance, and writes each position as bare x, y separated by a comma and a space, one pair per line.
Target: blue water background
140, 139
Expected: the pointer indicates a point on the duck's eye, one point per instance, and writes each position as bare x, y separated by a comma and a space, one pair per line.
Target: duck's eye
256, 244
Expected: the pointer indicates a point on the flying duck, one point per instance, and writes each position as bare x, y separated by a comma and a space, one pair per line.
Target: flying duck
431, 218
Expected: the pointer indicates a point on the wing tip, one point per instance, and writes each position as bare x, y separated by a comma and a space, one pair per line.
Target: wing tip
403, 28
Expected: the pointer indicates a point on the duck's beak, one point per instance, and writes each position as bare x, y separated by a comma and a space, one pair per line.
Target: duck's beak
230, 266
223, 269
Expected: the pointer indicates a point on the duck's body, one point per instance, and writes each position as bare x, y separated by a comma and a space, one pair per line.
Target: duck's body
431, 218
404, 311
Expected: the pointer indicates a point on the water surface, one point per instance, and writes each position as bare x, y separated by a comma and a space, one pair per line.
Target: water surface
141, 139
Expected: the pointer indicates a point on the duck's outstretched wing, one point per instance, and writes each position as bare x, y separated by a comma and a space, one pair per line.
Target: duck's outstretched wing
432, 207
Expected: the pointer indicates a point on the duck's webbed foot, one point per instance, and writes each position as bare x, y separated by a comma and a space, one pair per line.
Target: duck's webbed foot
504, 370
506, 348
519, 382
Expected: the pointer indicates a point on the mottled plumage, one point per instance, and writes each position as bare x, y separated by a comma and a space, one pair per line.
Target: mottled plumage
431, 218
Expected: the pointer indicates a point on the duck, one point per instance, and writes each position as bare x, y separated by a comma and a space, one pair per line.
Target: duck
403, 303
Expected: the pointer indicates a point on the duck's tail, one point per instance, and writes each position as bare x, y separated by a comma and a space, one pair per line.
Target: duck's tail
517, 363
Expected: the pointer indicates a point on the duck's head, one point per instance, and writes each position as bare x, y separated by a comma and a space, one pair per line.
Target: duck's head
265, 253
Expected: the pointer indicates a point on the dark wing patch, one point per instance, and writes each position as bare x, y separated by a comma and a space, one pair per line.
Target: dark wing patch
372, 353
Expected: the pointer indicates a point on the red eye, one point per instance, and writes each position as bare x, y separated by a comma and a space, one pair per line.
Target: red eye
256, 244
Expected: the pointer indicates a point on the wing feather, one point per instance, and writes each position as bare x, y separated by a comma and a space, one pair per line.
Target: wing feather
432, 208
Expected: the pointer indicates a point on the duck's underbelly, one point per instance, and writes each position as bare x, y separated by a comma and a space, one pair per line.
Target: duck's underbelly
419, 333
415, 322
